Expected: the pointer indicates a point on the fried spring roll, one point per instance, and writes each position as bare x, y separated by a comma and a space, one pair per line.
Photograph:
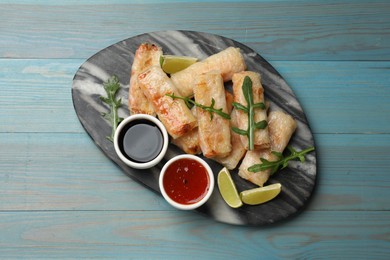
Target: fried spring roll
214, 134
229, 101
281, 127
238, 149
189, 142
146, 55
261, 136
227, 62
173, 113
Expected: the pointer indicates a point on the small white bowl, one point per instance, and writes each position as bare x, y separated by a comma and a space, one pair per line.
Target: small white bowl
206, 195
142, 144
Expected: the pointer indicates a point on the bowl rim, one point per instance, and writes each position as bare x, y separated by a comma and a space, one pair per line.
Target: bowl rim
151, 119
200, 202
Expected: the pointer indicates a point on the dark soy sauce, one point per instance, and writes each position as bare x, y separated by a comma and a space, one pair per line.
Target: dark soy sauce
140, 141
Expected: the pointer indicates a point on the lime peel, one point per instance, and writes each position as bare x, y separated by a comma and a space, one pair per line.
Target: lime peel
228, 189
260, 195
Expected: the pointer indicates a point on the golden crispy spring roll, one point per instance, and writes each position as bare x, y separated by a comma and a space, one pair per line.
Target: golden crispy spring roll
229, 101
281, 128
147, 55
251, 158
214, 134
261, 136
227, 62
189, 142
238, 149
173, 113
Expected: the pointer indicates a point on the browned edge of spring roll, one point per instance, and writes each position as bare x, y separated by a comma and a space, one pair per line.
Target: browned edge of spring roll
261, 136
173, 113
281, 127
146, 55
227, 62
214, 133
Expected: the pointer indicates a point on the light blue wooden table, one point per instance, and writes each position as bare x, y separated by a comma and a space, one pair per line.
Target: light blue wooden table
60, 197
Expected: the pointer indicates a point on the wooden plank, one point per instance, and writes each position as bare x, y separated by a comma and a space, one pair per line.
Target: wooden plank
305, 30
36, 96
341, 97
338, 97
60, 171
65, 171
352, 172
182, 235
104, 2
61, 198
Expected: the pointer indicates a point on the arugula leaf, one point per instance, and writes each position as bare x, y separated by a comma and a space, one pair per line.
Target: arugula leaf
281, 162
189, 102
111, 86
250, 110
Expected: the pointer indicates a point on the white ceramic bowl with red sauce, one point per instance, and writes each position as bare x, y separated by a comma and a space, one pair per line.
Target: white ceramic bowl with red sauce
186, 182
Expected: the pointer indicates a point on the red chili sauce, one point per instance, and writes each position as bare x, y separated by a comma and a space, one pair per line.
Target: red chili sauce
186, 181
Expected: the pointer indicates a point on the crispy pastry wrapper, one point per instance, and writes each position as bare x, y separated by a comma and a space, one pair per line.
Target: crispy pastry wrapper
281, 127
189, 142
173, 113
261, 136
214, 133
238, 150
227, 62
146, 55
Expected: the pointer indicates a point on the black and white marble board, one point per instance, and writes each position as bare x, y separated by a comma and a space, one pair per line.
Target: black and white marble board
298, 179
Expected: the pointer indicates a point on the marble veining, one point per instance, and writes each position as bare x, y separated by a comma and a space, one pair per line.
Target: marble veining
298, 180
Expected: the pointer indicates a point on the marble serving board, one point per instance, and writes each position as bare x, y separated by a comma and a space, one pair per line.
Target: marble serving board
298, 180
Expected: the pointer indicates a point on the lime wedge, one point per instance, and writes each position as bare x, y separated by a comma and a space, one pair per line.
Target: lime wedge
260, 195
171, 63
228, 189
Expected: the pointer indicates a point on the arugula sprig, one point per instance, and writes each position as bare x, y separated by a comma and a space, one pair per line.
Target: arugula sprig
281, 162
211, 109
111, 86
250, 110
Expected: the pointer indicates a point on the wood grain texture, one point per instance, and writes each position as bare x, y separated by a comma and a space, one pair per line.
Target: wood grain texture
282, 30
182, 235
60, 197
337, 96
65, 172
352, 175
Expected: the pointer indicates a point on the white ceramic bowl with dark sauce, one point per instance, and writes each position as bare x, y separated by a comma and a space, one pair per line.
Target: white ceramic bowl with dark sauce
141, 141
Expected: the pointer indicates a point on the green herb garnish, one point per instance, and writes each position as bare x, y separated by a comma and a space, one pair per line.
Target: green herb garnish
281, 162
111, 86
250, 110
189, 102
